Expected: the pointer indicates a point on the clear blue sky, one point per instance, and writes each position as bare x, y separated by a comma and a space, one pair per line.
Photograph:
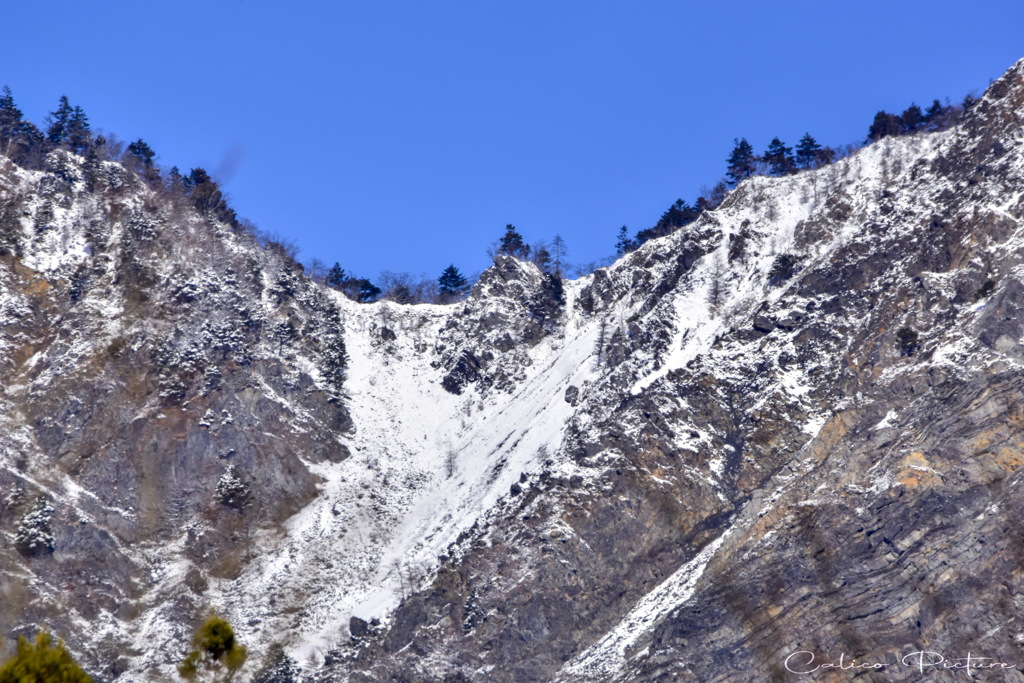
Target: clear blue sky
405, 135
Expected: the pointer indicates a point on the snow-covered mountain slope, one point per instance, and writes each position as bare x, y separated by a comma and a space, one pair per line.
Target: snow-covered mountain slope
426, 465
793, 393
147, 354
791, 425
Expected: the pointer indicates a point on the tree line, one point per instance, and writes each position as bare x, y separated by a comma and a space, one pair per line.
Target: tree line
938, 116
779, 159
452, 285
68, 128
742, 163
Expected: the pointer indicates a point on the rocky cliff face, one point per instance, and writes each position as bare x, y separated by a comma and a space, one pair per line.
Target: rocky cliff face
146, 355
801, 439
790, 427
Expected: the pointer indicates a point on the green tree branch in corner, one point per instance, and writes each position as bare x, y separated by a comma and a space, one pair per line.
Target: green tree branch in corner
214, 646
42, 662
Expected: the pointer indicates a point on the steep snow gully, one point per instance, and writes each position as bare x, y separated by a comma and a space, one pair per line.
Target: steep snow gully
426, 465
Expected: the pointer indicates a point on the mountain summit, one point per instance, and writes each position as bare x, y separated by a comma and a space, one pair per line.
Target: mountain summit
783, 434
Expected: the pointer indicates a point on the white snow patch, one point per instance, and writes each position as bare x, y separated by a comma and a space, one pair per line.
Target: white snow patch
607, 657
425, 466
888, 421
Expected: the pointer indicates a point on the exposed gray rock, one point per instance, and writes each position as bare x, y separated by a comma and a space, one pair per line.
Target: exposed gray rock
643, 485
358, 628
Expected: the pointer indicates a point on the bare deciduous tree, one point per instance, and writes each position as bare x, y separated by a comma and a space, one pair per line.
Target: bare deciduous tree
317, 270
449, 462
559, 252
716, 285
404, 288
